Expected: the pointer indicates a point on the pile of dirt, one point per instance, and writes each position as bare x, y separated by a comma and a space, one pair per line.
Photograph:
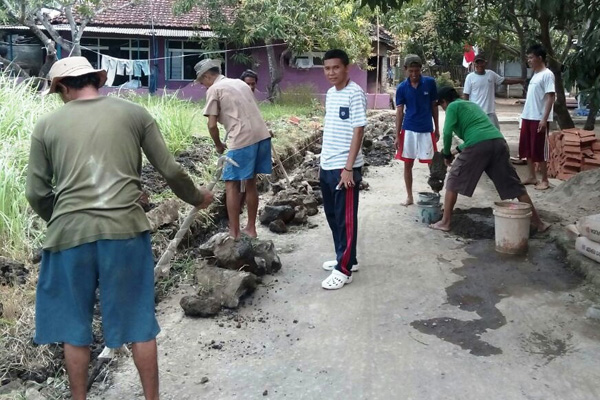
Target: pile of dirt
579, 195
378, 145
191, 160
12, 272
473, 223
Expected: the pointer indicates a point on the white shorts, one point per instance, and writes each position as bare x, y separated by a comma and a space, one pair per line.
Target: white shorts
416, 145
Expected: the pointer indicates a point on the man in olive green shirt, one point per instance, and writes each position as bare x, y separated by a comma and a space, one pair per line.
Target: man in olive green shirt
83, 178
483, 150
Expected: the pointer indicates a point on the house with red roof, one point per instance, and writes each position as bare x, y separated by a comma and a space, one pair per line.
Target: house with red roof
172, 44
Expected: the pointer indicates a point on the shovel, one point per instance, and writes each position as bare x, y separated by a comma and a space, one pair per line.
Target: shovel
163, 266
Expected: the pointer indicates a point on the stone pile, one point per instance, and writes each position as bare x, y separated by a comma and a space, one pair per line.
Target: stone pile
229, 270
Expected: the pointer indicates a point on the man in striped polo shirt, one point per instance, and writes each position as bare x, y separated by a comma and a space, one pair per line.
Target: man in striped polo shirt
341, 163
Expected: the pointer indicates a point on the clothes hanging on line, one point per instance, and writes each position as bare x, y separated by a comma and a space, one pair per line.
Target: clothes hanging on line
140, 66
119, 66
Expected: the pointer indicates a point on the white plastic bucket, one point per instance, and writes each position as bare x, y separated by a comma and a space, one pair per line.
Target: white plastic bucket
511, 224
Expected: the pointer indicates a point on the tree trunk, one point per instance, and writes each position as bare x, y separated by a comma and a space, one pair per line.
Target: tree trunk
76, 50
275, 74
590, 122
560, 105
13, 66
50, 59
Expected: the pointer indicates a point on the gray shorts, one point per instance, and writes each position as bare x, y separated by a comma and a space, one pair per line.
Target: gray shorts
491, 157
494, 120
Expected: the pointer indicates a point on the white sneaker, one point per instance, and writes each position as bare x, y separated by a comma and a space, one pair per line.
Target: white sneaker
336, 280
330, 266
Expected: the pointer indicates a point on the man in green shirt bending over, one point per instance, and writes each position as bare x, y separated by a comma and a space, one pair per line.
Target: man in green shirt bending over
483, 150
83, 179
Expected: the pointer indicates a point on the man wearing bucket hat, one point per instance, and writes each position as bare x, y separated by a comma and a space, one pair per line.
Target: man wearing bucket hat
83, 178
483, 150
417, 130
231, 103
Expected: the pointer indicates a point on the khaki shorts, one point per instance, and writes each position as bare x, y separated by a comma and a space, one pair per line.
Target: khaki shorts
491, 157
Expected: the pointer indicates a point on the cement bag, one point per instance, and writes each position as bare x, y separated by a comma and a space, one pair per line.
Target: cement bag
588, 248
590, 227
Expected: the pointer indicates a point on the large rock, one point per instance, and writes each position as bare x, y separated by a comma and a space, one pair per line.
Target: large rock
271, 213
242, 254
278, 226
301, 216
287, 197
165, 214
265, 250
227, 286
196, 306
311, 204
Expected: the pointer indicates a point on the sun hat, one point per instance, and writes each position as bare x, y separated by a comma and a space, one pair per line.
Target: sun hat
204, 65
412, 59
70, 67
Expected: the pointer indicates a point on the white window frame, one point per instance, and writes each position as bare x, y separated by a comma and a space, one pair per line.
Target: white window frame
311, 55
133, 49
179, 52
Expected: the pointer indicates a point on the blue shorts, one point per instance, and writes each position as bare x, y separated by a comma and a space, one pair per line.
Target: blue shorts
254, 159
123, 270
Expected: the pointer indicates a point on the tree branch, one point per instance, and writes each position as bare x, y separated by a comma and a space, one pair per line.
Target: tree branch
11, 10
71, 19
50, 29
568, 45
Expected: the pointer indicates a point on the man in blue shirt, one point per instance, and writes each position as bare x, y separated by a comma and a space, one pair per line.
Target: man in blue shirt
416, 105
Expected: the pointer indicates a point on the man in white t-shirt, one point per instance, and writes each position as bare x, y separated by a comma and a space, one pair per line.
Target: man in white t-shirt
537, 113
480, 87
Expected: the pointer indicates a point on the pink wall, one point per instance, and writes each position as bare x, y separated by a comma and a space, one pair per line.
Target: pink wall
291, 77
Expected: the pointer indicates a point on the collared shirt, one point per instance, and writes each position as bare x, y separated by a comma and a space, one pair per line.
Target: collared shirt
470, 123
417, 102
345, 110
234, 104
482, 89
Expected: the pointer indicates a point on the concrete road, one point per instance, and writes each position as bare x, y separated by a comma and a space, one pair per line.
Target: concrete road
429, 316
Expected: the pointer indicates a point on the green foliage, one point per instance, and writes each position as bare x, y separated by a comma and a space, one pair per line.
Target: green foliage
21, 108
250, 22
444, 79
179, 120
583, 64
299, 95
431, 27
303, 26
384, 5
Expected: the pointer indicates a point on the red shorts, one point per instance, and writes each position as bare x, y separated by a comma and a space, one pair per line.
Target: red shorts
533, 145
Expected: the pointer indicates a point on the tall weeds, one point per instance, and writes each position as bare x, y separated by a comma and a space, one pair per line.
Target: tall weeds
20, 108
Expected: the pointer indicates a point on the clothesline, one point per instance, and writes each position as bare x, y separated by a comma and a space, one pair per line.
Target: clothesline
186, 55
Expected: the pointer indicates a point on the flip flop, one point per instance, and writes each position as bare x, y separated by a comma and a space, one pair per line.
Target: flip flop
542, 186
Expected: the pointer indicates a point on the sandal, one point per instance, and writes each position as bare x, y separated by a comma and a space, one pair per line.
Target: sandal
336, 280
